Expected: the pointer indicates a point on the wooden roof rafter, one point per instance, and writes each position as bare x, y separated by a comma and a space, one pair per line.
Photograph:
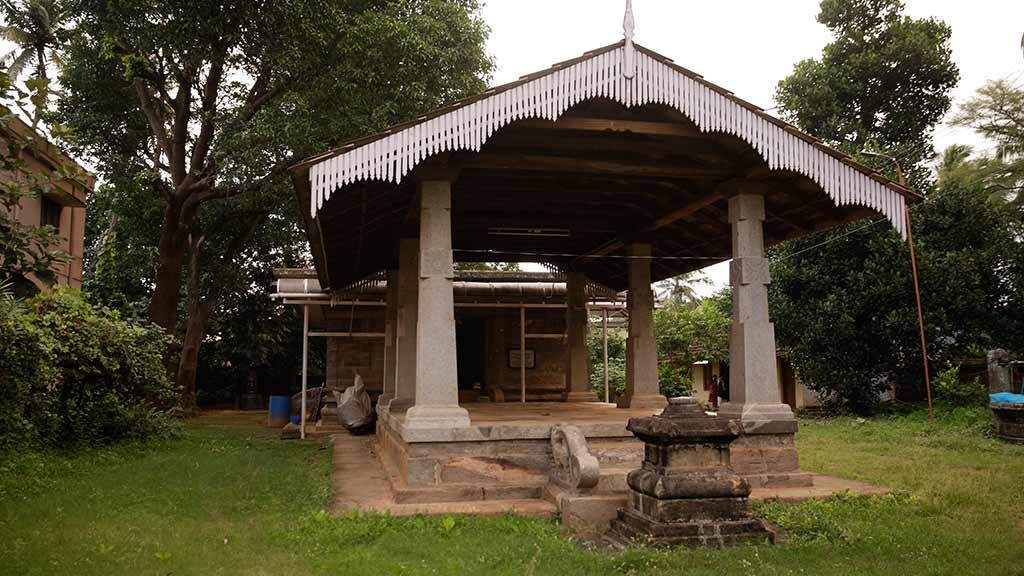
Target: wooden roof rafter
606, 73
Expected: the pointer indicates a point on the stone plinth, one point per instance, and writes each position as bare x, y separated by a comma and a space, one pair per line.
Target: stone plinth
686, 492
1008, 421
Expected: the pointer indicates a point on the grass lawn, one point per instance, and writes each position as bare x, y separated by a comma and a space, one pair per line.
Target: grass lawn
228, 500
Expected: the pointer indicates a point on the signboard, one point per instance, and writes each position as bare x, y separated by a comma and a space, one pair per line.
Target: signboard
515, 358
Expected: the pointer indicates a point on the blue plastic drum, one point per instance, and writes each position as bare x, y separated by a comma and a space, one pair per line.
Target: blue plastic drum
280, 410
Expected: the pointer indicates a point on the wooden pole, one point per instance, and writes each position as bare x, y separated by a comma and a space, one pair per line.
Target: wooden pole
920, 317
604, 340
522, 354
305, 369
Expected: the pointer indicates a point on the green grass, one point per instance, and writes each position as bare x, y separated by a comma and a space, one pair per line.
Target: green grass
234, 500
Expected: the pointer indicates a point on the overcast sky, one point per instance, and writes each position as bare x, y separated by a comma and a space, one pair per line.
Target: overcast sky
746, 46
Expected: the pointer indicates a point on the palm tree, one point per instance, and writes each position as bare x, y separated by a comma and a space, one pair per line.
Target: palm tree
35, 26
682, 289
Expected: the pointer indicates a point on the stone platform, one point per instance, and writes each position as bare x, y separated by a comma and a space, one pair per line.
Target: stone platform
503, 464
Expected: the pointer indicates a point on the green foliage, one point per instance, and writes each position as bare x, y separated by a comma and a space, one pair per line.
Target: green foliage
828, 520
686, 335
36, 27
256, 86
843, 302
28, 376
883, 82
997, 113
78, 375
950, 389
616, 361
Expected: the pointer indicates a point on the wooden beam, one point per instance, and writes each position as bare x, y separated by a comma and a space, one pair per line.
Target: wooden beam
542, 163
666, 220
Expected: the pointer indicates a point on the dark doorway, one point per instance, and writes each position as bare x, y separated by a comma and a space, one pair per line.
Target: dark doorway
470, 336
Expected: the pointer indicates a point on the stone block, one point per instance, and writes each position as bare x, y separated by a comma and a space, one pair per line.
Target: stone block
690, 510
720, 483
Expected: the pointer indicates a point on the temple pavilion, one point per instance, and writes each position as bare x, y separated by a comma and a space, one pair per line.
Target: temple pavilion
614, 170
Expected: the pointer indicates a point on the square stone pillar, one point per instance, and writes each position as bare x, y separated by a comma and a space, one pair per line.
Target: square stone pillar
390, 340
642, 390
437, 388
577, 365
405, 333
765, 453
754, 397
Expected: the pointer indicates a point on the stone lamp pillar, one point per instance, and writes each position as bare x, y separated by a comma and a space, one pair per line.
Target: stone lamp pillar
686, 492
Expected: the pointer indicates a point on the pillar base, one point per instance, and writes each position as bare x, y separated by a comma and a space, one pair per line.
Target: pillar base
652, 401
765, 454
580, 396
384, 405
760, 418
399, 405
439, 417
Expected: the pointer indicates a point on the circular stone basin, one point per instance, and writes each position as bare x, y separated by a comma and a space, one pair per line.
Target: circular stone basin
1009, 421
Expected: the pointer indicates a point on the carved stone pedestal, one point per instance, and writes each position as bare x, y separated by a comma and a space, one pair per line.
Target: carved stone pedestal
686, 492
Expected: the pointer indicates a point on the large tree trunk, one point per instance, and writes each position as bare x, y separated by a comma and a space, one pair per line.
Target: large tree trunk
199, 314
163, 307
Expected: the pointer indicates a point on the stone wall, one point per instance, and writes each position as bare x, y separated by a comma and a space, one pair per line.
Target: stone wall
346, 356
546, 381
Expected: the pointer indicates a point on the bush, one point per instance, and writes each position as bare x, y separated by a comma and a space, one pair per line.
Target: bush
27, 375
81, 375
950, 389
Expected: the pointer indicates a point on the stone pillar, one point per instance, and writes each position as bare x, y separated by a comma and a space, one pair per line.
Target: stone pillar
642, 390
765, 454
408, 299
437, 389
577, 365
390, 339
754, 397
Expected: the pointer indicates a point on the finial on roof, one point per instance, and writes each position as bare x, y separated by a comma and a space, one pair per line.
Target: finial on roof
628, 24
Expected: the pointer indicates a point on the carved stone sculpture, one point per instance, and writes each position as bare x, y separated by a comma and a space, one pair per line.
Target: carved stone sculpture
575, 467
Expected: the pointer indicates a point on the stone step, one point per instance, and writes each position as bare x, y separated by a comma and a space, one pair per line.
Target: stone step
617, 453
525, 507
612, 480
448, 493
585, 513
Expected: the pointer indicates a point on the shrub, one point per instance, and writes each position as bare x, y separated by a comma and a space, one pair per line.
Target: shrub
81, 375
950, 389
27, 375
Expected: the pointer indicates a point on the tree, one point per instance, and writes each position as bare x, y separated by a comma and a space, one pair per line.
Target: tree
687, 334
36, 27
225, 108
997, 113
884, 82
843, 301
205, 106
682, 289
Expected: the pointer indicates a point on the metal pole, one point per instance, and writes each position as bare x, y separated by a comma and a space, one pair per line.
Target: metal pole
522, 354
604, 338
305, 368
917, 286
920, 318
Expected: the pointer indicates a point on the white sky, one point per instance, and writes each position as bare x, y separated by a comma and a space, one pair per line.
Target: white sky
746, 46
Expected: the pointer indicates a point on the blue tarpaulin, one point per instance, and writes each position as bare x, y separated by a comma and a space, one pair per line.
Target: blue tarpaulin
1006, 398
